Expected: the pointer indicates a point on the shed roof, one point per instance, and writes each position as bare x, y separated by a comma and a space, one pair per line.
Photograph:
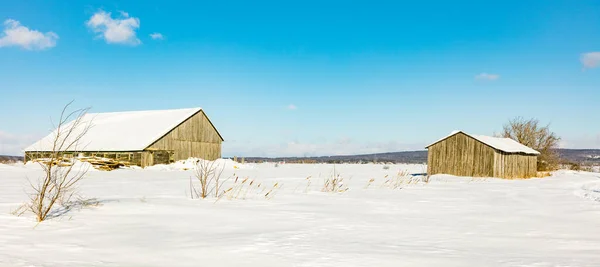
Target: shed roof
503, 144
122, 131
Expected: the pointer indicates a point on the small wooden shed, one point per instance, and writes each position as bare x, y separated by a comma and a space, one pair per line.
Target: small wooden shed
142, 138
463, 154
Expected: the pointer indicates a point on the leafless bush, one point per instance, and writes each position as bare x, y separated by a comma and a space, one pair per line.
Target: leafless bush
532, 134
60, 181
208, 174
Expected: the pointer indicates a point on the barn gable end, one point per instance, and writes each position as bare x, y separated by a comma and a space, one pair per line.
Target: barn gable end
195, 137
460, 155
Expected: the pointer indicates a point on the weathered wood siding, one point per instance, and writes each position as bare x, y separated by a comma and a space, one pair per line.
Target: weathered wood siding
461, 155
513, 165
126, 157
196, 137
147, 159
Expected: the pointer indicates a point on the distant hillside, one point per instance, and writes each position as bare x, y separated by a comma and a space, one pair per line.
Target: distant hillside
589, 156
4, 158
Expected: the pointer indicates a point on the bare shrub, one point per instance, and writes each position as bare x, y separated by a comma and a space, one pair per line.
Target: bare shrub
60, 180
532, 134
208, 174
334, 183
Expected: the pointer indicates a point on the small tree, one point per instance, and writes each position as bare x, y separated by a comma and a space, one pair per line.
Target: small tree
59, 182
208, 174
530, 133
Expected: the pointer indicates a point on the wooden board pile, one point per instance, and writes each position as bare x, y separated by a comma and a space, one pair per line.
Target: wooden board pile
104, 164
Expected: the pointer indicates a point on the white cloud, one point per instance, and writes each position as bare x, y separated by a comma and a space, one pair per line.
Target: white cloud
157, 36
16, 34
590, 60
292, 107
586, 141
487, 76
13, 145
115, 30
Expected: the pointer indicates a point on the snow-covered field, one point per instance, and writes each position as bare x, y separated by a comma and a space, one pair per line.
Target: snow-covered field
146, 218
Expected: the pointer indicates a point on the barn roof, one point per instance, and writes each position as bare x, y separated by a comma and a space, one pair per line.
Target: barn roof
122, 131
503, 144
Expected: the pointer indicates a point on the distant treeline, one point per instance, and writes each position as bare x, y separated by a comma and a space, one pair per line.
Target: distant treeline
9, 159
392, 157
581, 156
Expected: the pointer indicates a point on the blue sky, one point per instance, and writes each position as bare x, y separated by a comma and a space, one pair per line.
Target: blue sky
310, 77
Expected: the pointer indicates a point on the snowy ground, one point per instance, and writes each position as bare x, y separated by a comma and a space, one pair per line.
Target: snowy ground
147, 219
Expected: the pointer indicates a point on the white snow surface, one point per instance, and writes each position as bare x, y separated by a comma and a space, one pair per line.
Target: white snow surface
120, 131
503, 144
147, 219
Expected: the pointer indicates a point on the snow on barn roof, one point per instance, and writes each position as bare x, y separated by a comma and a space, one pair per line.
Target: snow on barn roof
121, 131
503, 144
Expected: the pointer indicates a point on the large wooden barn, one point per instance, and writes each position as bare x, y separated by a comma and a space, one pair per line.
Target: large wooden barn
142, 138
463, 154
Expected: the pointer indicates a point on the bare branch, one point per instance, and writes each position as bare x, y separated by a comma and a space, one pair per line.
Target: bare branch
59, 183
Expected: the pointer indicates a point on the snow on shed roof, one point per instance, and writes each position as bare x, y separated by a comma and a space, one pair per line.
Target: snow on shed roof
503, 144
121, 131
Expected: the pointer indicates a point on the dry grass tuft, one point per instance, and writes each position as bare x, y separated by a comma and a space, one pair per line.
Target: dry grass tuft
543, 174
371, 181
334, 183
478, 179
404, 178
247, 188
20, 210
